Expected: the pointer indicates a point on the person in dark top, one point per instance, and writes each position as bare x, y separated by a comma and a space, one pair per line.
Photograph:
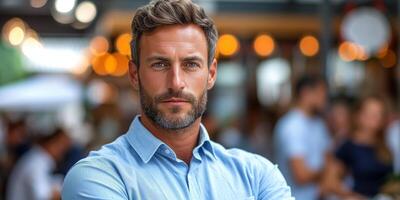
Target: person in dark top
364, 156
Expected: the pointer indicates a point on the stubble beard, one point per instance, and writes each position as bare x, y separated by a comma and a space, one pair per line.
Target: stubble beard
161, 119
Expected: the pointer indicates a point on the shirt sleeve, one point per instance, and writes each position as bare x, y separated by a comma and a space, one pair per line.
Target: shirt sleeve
272, 184
93, 180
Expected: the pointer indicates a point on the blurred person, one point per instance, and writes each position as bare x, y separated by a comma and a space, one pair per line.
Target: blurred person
364, 156
167, 153
16, 144
393, 139
302, 140
339, 120
32, 178
17, 141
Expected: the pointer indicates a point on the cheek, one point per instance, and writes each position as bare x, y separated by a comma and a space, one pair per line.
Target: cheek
151, 82
372, 120
197, 82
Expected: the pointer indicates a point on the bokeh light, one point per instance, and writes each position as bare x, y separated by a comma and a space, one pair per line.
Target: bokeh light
64, 6
98, 64
110, 64
86, 12
309, 45
99, 46
347, 51
31, 47
228, 45
16, 36
13, 31
122, 64
264, 45
38, 3
122, 44
389, 60
382, 51
361, 53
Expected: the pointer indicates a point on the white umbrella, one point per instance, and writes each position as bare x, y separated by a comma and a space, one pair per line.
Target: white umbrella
40, 93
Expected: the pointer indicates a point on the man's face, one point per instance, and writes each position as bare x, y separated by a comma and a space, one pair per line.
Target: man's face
173, 76
318, 96
315, 97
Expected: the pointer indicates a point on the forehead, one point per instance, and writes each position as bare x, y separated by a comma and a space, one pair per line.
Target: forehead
174, 39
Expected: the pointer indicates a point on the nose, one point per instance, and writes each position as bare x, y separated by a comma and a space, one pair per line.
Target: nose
176, 79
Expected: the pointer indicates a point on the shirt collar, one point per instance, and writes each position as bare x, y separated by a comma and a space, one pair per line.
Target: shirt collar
204, 141
146, 144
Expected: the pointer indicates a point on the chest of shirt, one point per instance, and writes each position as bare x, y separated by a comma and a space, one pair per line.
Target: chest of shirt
205, 179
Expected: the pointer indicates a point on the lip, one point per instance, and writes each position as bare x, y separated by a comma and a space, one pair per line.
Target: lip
175, 101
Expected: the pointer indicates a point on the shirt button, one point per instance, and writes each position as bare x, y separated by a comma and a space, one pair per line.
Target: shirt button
167, 151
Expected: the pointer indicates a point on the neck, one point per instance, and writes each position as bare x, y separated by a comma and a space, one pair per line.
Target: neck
305, 108
364, 137
181, 141
49, 150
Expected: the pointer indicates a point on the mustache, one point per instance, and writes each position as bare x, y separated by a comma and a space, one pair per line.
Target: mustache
175, 94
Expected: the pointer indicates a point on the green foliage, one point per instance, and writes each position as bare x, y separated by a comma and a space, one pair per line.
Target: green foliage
11, 68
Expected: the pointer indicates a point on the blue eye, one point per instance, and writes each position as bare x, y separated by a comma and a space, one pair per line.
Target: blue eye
191, 65
159, 65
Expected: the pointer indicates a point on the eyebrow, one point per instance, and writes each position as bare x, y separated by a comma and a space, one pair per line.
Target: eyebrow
186, 59
160, 58
193, 58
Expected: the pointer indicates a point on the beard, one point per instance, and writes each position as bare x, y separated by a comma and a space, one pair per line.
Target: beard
169, 122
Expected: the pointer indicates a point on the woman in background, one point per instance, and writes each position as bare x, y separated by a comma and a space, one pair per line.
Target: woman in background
364, 156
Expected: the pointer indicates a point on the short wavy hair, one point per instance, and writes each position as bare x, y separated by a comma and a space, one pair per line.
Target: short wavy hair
171, 12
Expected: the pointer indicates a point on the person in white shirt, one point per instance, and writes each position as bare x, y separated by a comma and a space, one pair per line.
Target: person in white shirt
32, 178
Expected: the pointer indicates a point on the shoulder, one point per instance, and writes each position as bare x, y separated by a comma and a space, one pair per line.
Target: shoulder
98, 175
291, 122
346, 146
240, 159
265, 178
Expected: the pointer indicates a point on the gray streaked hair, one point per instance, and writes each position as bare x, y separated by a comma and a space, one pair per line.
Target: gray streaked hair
171, 12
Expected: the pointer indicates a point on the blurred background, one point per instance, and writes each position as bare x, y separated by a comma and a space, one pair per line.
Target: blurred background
63, 68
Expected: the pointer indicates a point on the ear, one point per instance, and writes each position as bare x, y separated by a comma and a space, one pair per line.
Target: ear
212, 74
134, 75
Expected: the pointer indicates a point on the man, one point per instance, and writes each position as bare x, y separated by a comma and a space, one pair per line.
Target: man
32, 177
302, 140
167, 153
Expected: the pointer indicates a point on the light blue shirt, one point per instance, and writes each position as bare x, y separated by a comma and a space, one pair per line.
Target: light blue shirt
139, 166
299, 136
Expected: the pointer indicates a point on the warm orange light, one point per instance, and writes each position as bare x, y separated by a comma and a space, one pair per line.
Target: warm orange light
14, 31
122, 44
99, 45
110, 64
264, 45
389, 60
309, 46
382, 51
98, 64
227, 45
348, 51
361, 53
122, 64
